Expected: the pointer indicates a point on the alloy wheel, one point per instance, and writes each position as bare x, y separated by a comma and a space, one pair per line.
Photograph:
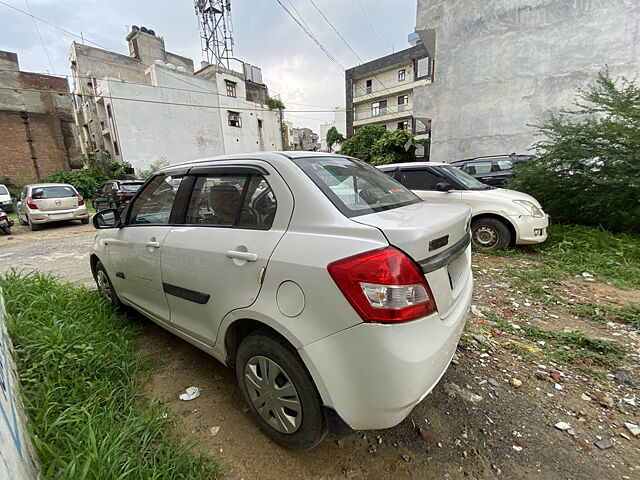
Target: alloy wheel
104, 286
273, 394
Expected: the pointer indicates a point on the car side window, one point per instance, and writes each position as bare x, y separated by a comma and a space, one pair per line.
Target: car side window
421, 179
154, 204
231, 200
502, 165
477, 168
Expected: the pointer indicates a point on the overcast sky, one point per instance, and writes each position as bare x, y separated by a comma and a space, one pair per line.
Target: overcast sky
264, 34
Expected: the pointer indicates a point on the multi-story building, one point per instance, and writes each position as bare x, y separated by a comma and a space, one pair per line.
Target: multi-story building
502, 66
152, 106
301, 138
380, 92
38, 134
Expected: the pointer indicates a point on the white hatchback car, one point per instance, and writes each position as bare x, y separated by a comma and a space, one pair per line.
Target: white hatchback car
337, 295
501, 217
50, 202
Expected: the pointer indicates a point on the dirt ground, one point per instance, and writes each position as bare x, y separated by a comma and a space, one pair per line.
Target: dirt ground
492, 415
506, 430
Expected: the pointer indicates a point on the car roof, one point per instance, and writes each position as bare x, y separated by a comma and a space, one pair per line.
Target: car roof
491, 157
273, 157
126, 181
32, 185
414, 164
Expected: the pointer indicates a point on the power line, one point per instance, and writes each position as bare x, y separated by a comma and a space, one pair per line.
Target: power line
335, 30
313, 37
40, 36
111, 97
371, 24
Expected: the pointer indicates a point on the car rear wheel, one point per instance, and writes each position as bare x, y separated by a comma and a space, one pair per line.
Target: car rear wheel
33, 226
490, 234
21, 221
84, 220
279, 391
105, 287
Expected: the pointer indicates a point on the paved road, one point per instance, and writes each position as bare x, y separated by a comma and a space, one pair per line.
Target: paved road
67, 257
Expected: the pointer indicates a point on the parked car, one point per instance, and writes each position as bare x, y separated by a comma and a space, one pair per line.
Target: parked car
501, 217
493, 170
50, 202
335, 293
5, 199
5, 223
115, 194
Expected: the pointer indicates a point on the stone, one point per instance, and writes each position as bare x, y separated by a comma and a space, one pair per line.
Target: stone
555, 376
214, 431
633, 428
604, 444
585, 397
558, 387
607, 402
493, 382
584, 445
406, 458
426, 435
562, 426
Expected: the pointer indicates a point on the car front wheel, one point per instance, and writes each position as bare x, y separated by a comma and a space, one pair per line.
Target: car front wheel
490, 234
279, 391
105, 287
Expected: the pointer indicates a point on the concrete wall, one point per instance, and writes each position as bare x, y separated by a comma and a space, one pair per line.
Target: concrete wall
501, 65
167, 127
17, 457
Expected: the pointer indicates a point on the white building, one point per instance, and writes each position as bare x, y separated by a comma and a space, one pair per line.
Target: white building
503, 65
340, 122
143, 109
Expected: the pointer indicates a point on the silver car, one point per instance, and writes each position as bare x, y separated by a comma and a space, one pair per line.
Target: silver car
50, 202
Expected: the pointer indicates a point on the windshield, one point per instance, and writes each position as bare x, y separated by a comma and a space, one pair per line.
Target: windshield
355, 187
130, 187
3, 190
467, 181
62, 191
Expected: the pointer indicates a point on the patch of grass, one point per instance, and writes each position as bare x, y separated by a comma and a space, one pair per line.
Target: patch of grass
80, 382
606, 313
601, 352
573, 249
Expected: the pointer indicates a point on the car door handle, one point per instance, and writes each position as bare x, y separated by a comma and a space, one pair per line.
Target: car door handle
152, 244
249, 257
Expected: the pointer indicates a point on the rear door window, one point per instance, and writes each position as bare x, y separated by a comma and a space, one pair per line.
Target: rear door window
421, 179
503, 165
477, 168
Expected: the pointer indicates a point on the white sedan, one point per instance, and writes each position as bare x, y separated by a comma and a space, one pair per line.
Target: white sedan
501, 217
335, 293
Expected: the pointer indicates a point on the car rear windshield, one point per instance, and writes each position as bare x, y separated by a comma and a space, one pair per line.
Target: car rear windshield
355, 187
130, 187
61, 191
3, 190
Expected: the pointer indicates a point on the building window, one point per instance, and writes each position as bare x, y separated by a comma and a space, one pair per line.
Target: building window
369, 85
115, 147
402, 75
234, 119
424, 67
231, 89
384, 126
403, 125
378, 108
259, 123
403, 103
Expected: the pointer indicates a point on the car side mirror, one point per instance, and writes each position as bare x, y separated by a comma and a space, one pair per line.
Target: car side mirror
443, 187
107, 219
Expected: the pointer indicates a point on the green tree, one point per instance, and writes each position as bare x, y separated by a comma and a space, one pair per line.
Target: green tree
393, 147
359, 145
153, 168
587, 170
334, 137
275, 104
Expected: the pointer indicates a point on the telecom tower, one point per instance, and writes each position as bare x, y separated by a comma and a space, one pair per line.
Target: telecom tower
214, 22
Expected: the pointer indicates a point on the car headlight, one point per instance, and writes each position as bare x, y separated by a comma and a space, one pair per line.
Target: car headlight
530, 207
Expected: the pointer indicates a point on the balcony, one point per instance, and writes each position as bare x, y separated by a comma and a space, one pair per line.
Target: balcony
378, 89
384, 113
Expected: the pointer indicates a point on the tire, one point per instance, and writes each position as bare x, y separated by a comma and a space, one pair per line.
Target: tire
6, 230
105, 287
303, 416
84, 220
490, 234
21, 221
33, 226
113, 205
95, 206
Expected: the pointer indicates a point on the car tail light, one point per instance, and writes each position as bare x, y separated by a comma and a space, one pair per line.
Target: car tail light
30, 204
383, 286
80, 200
121, 196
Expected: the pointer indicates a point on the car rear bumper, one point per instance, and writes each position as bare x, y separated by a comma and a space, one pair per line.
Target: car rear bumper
530, 229
37, 216
373, 375
6, 206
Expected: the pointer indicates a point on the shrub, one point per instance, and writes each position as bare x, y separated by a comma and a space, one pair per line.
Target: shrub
361, 142
86, 182
587, 171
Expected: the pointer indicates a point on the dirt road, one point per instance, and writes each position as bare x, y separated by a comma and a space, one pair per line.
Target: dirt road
516, 375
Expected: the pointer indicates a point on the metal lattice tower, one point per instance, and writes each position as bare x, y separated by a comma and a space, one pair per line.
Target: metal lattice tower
214, 22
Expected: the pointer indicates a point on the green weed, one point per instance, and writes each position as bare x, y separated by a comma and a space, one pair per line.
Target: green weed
81, 387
